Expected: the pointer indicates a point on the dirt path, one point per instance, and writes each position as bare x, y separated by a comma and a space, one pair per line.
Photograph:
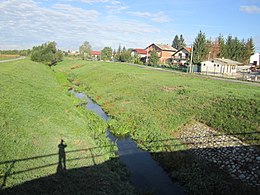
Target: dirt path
201, 76
20, 58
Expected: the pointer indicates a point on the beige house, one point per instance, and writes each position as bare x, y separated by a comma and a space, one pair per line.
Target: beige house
164, 52
220, 66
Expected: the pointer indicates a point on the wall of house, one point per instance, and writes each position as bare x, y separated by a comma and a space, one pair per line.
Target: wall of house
215, 68
183, 55
255, 57
165, 56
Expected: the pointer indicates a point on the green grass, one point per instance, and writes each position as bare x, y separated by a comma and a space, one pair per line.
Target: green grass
36, 112
152, 105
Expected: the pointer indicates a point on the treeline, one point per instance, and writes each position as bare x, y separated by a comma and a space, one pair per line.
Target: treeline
46, 53
24, 52
231, 47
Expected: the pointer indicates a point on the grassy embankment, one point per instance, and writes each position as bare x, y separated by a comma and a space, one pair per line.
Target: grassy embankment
36, 112
152, 105
8, 57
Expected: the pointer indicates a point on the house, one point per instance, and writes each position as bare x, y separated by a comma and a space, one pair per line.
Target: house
164, 52
182, 55
96, 55
220, 66
142, 53
255, 59
73, 53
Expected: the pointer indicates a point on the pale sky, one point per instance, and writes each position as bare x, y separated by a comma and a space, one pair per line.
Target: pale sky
130, 23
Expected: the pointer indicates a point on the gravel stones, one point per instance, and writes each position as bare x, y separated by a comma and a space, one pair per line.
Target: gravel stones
241, 160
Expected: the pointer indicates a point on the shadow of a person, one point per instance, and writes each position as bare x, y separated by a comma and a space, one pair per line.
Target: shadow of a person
62, 157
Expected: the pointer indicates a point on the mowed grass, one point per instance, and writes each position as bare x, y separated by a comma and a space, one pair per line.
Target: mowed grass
152, 105
36, 112
7, 57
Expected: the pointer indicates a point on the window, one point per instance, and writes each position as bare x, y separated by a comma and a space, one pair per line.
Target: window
218, 65
204, 64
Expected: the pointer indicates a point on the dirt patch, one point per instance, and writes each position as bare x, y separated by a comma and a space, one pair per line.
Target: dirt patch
76, 66
173, 88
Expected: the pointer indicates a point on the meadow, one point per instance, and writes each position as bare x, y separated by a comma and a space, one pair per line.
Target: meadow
151, 105
36, 112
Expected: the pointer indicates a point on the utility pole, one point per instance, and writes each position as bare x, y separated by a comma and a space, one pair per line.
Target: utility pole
191, 56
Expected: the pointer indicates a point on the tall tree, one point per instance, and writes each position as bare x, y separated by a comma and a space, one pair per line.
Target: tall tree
153, 58
175, 42
221, 43
106, 53
178, 42
200, 48
249, 49
85, 50
182, 42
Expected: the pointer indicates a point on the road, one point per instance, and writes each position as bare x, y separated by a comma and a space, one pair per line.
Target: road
20, 58
201, 76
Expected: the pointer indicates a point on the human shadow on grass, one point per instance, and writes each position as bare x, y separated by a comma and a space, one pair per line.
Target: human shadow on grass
62, 157
198, 175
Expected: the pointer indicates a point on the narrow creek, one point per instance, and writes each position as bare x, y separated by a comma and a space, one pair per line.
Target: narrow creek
146, 174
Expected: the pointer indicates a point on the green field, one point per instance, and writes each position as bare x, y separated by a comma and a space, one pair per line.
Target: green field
36, 112
152, 105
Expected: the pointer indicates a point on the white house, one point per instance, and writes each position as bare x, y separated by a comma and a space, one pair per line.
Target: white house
182, 55
220, 66
255, 59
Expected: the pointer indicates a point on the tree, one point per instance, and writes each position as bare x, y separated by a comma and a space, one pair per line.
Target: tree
106, 53
175, 42
85, 50
200, 48
153, 59
249, 49
47, 54
182, 42
178, 43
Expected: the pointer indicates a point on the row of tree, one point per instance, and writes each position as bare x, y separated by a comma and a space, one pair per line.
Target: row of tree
24, 52
230, 48
46, 53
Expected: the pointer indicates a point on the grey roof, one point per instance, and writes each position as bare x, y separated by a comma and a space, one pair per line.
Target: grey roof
227, 61
164, 47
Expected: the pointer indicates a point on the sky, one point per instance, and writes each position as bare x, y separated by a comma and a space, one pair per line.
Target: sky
130, 23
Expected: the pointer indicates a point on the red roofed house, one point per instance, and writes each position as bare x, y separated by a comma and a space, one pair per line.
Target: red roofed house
182, 55
96, 55
142, 53
164, 52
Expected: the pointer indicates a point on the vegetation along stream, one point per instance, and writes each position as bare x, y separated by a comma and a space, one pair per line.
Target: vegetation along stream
147, 175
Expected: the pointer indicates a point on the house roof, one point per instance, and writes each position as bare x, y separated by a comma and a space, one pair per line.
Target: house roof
98, 53
187, 49
164, 47
227, 61
140, 51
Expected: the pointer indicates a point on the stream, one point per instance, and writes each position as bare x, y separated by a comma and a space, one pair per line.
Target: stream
146, 174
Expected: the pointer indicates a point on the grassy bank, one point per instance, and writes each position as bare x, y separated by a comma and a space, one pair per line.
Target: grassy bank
36, 112
152, 105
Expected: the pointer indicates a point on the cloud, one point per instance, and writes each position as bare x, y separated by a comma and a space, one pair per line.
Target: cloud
27, 23
159, 17
250, 9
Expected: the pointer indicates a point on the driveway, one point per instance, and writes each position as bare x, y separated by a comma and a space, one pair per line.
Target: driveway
20, 58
